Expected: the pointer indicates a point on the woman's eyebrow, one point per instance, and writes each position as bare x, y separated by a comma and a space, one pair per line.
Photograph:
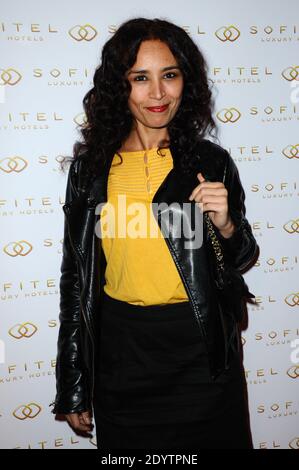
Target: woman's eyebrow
171, 67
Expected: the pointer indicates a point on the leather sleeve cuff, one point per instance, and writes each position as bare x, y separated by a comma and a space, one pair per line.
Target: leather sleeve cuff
241, 248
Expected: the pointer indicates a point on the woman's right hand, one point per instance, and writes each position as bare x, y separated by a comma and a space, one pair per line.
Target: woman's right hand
80, 421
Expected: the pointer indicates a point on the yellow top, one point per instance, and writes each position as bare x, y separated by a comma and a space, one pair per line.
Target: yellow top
140, 269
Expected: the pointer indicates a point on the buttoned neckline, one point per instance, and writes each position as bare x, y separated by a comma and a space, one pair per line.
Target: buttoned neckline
141, 152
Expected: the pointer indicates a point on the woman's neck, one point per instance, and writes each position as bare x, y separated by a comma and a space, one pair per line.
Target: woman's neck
136, 142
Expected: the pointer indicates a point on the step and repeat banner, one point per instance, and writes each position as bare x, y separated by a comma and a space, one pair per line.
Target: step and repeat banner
49, 52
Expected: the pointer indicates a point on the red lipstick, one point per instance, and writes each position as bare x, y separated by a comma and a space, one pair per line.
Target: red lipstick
158, 109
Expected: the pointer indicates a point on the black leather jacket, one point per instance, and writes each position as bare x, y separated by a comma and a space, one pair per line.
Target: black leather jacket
83, 268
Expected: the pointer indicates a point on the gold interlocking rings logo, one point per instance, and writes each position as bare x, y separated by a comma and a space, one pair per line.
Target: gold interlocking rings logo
293, 372
291, 151
19, 248
9, 76
84, 32
10, 164
227, 33
294, 443
31, 410
22, 330
228, 115
292, 226
291, 73
293, 299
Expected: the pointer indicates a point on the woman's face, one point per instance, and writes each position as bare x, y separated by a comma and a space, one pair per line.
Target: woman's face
156, 81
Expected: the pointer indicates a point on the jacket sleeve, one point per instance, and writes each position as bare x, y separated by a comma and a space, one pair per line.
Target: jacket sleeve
71, 392
241, 248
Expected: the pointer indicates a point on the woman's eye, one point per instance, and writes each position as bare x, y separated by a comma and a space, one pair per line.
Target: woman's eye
139, 76
171, 73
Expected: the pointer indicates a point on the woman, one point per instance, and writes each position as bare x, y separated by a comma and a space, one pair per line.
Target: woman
143, 343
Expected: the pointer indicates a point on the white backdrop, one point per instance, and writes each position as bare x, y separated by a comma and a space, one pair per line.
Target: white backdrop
48, 55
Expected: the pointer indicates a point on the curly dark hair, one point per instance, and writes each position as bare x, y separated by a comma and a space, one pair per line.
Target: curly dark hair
108, 118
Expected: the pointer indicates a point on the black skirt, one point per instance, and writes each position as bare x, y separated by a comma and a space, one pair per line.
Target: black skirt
153, 388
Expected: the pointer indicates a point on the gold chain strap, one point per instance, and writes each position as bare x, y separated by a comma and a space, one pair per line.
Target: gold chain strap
215, 242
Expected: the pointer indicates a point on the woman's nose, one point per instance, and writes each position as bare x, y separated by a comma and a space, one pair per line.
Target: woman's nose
157, 90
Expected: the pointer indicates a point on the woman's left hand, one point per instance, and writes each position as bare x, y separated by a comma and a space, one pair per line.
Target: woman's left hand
212, 197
